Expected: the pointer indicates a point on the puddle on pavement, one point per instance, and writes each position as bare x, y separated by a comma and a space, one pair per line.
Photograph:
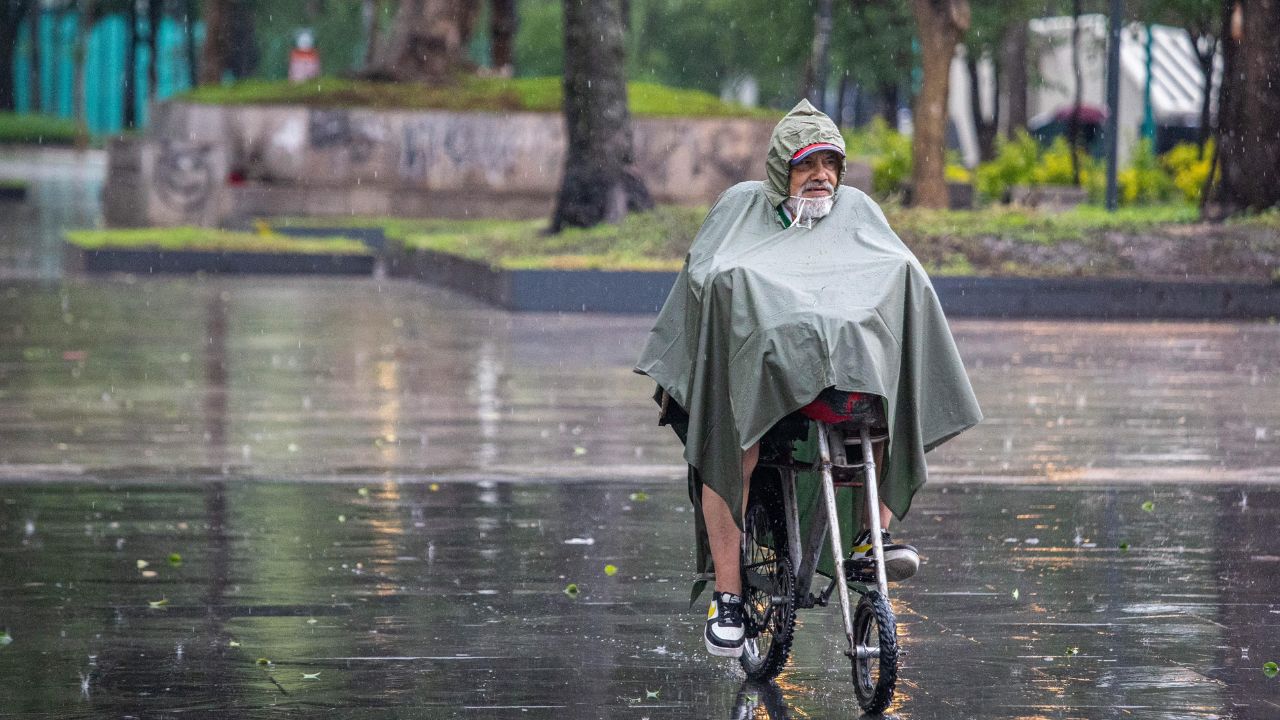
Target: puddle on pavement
414, 600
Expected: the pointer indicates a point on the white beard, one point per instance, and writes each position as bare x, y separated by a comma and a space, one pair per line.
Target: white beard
807, 211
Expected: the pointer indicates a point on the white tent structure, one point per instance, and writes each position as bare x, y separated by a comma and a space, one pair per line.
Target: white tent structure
1177, 84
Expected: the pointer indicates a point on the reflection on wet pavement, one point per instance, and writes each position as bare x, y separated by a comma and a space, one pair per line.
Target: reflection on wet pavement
422, 600
343, 379
62, 194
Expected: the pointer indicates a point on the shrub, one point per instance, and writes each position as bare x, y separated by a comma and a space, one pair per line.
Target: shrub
888, 151
1189, 168
1014, 162
1145, 181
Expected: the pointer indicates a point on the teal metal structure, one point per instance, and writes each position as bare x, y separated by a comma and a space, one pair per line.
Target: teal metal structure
104, 77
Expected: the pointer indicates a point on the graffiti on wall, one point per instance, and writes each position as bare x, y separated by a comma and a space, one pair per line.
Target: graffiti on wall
337, 130
184, 175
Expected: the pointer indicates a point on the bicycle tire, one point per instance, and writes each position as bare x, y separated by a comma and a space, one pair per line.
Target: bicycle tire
768, 583
874, 679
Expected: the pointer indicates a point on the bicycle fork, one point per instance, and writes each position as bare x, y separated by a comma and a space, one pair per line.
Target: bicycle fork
833, 517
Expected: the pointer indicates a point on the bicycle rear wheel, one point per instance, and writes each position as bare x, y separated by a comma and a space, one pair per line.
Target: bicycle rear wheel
768, 584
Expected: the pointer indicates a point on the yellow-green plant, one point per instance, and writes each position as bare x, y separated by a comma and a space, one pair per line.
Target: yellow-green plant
1014, 161
1145, 181
1189, 168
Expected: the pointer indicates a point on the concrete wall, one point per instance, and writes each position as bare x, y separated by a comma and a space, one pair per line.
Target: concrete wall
307, 161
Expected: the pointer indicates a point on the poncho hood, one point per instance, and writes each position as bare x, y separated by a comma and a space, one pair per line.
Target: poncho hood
805, 125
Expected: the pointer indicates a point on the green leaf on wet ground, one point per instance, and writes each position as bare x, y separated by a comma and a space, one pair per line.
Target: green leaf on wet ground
311, 676
363, 492
1073, 651
651, 694
571, 590
342, 518
1124, 544
175, 559
1149, 506
142, 564
1015, 593
579, 451
6, 638
232, 643
158, 603
610, 570
1271, 669
639, 496
264, 661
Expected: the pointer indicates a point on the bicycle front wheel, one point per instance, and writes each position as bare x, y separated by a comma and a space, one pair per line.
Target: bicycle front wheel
875, 659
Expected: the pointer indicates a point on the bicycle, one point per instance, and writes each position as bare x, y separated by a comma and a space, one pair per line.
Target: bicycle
778, 569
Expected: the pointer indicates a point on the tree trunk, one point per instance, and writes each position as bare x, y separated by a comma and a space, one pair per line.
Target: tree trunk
502, 36
84, 23
1013, 73
242, 40
130, 101
11, 14
189, 30
35, 102
599, 182
1073, 126
428, 41
1206, 46
815, 70
889, 104
213, 58
155, 14
1249, 112
985, 129
939, 23
837, 115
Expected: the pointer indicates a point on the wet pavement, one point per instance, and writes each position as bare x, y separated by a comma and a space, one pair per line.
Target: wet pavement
382, 490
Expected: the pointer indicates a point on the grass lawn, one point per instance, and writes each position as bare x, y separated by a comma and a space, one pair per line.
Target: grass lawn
13, 184
947, 242
36, 130
470, 93
210, 240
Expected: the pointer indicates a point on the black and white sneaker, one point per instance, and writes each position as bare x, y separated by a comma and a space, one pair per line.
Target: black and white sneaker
724, 631
900, 561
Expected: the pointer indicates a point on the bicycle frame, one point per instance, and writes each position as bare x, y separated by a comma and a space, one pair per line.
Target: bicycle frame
805, 556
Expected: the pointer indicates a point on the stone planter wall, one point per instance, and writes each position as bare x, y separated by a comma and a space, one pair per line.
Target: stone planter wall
296, 160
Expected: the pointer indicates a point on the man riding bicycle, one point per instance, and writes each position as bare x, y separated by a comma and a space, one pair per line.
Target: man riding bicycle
797, 300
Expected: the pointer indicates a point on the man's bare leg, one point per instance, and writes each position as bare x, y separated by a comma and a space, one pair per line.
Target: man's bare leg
877, 450
722, 530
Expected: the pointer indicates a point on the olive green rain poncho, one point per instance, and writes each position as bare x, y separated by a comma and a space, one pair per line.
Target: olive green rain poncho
764, 317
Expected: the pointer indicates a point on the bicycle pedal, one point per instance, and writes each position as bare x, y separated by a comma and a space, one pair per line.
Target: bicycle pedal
860, 569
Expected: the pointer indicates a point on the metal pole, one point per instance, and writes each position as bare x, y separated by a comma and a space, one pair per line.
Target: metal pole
1148, 114
1113, 99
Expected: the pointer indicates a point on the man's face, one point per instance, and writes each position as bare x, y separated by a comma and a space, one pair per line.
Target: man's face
816, 175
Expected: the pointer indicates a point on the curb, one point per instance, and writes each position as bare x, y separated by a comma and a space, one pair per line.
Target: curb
640, 292
143, 262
